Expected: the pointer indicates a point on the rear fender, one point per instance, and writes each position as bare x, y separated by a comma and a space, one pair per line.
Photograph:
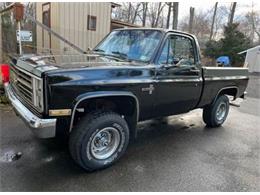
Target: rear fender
227, 91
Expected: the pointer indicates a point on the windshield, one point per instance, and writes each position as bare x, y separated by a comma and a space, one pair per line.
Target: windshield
137, 45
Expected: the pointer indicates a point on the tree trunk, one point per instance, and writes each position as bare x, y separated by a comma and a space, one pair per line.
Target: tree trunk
213, 21
175, 15
252, 33
232, 12
135, 13
158, 14
191, 19
145, 6
129, 12
168, 15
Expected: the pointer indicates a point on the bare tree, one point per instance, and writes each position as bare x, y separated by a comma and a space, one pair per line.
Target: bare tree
145, 7
192, 10
232, 12
155, 13
135, 12
169, 4
250, 26
213, 21
200, 26
159, 11
122, 12
255, 18
220, 20
128, 12
175, 15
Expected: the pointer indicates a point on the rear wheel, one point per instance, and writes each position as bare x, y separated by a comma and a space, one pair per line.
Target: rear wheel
99, 140
215, 114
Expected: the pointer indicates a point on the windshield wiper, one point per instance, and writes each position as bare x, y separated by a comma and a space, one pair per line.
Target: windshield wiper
118, 55
121, 55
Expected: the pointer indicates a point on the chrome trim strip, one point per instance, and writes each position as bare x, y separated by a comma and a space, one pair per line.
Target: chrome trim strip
225, 68
167, 80
215, 78
42, 128
107, 94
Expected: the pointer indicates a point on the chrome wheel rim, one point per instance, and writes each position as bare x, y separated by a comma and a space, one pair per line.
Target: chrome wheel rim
105, 143
221, 111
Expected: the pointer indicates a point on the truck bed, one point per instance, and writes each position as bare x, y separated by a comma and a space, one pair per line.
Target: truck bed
217, 78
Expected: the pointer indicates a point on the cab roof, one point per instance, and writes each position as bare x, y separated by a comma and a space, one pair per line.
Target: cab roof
163, 30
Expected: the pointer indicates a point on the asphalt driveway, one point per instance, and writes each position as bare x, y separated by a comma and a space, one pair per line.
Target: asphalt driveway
180, 155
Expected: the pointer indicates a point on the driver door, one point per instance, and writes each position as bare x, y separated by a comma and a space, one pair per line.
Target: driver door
178, 78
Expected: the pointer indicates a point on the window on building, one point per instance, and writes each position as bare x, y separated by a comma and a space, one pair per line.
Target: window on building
46, 12
92, 22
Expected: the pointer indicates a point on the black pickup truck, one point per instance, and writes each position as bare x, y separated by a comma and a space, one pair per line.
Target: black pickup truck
132, 75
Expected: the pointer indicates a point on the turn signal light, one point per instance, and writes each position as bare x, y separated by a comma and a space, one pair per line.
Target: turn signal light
60, 112
5, 71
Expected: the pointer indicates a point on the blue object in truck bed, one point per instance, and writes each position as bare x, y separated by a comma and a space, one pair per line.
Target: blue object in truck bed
224, 60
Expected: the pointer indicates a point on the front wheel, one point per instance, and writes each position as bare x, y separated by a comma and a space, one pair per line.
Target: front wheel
99, 140
215, 114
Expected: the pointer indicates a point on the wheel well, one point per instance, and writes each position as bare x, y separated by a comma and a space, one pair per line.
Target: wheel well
126, 106
232, 91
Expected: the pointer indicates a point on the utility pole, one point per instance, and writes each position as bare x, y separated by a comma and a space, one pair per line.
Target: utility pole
192, 10
175, 15
213, 21
18, 14
232, 12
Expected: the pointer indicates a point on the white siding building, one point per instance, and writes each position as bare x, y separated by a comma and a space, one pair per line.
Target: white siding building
252, 59
83, 24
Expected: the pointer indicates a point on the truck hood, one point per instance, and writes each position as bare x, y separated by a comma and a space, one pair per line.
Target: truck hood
40, 64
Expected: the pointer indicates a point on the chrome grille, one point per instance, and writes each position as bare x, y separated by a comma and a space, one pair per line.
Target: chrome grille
27, 86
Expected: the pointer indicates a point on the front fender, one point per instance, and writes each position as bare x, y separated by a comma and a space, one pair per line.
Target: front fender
98, 94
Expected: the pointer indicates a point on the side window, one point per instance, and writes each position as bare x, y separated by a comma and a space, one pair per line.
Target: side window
177, 50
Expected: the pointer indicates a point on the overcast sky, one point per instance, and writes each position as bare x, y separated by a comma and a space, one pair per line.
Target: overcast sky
242, 6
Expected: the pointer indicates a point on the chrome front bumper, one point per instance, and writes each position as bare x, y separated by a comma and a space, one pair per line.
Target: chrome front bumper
42, 128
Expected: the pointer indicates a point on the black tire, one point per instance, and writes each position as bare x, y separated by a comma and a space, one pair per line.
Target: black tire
210, 113
83, 138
